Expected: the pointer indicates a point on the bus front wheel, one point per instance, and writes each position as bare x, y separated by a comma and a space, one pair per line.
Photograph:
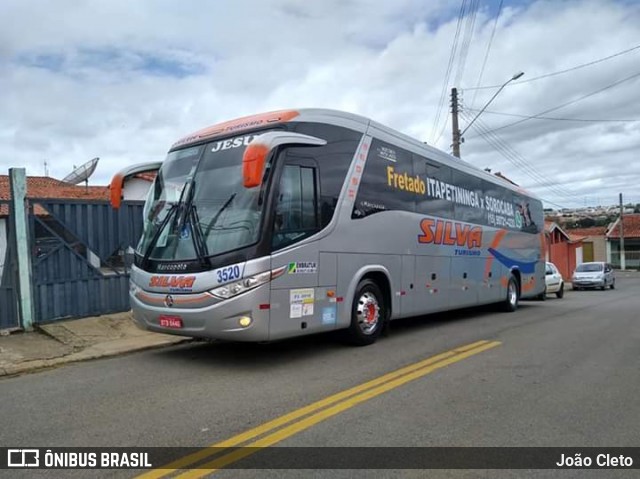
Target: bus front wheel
368, 314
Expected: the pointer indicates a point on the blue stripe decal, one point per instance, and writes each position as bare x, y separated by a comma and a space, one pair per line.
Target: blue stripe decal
528, 267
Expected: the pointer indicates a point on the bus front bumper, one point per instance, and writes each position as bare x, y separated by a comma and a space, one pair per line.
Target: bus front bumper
236, 319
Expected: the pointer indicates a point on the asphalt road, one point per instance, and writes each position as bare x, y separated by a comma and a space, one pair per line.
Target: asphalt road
564, 372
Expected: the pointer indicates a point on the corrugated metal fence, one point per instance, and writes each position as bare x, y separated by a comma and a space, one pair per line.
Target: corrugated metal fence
78, 256
9, 318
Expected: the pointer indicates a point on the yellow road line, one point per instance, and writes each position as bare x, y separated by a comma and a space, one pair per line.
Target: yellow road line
269, 426
314, 419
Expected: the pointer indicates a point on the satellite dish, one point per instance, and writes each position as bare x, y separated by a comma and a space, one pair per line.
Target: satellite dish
82, 173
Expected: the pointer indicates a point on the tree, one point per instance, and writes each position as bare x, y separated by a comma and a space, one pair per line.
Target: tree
585, 223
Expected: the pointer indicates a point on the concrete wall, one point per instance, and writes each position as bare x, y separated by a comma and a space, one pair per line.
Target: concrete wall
599, 247
566, 256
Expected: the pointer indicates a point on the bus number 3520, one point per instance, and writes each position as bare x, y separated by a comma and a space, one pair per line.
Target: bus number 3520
228, 274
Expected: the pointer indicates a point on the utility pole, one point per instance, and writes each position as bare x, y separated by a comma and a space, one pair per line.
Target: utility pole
20, 240
455, 130
622, 255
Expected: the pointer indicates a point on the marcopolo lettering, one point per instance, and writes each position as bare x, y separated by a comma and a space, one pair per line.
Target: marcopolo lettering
450, 233
181, 282
172, 267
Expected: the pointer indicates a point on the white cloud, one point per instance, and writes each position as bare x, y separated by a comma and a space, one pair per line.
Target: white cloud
123, 80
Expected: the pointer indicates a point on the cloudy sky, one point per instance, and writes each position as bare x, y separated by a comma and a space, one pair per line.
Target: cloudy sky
122, 80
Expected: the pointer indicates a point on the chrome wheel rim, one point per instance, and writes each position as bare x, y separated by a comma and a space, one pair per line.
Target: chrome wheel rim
368, 313
513, 294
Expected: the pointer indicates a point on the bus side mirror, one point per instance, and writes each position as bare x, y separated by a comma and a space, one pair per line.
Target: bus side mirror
117, 182
253, 162
255, 155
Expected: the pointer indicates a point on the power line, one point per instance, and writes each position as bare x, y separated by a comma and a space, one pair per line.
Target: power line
444, 127
466, 40
584, 97
537, 117
518, 160
486, 54
447, 76
547, 75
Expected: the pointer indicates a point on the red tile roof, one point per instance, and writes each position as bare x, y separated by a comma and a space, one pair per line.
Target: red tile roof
574, 238
631, 227
46, 187
551, 226
147, 175
592, 231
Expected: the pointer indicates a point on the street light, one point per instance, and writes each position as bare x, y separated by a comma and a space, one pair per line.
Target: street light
514, 77
457, 135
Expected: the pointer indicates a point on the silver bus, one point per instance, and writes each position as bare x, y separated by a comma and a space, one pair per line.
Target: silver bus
297, 222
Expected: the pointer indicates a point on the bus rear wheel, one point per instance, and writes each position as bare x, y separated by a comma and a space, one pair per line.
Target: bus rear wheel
368, 314
510, 303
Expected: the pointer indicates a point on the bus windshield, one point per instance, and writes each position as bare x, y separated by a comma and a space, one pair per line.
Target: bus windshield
198, 206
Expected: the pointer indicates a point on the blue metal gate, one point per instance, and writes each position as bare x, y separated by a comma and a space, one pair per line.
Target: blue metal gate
9, 318
78, 256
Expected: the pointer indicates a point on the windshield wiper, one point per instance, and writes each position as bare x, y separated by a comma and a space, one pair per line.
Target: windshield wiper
154, 239
185, 206
199, 243
216, 217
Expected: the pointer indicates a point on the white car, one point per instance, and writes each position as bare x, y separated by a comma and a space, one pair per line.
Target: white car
553, 281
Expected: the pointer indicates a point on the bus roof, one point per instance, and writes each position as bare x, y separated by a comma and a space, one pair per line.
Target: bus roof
349, 120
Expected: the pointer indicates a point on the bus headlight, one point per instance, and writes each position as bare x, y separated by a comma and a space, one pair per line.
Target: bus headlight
242, 286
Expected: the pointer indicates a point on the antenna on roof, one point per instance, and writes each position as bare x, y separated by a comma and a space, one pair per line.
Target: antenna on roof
46, 171
82, 173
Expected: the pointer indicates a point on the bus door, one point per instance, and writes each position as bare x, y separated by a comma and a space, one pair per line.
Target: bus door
295, 296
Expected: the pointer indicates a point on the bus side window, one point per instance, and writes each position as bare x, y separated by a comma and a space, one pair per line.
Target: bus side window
296, 211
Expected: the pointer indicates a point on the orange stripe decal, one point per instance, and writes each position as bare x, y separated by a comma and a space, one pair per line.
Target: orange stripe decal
529, 285
176, 299
497, 239
239, 124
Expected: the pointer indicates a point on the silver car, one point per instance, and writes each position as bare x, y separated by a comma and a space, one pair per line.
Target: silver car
593, 275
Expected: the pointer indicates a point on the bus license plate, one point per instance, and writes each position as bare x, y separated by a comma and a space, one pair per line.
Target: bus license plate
170, 322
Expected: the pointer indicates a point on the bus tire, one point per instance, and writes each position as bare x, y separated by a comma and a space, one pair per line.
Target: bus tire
510, 303
368, 314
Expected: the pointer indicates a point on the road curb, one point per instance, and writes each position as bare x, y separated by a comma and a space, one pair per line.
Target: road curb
85, 355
